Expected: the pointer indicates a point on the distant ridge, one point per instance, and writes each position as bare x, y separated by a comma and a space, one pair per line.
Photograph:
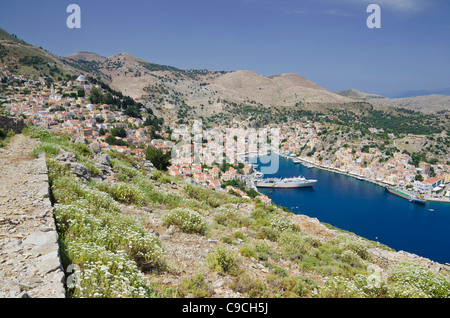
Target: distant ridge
355, 94
427, 103
86, 56
424, 92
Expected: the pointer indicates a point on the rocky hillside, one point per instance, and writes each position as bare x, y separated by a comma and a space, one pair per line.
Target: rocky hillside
428, 104
21, 58
133, 231
202, 92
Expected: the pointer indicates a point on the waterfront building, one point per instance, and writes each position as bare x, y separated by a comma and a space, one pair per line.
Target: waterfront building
427, 186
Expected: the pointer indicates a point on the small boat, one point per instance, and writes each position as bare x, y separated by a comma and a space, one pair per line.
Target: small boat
417, 199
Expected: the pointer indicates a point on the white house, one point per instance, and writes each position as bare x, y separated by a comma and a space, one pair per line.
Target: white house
427, 186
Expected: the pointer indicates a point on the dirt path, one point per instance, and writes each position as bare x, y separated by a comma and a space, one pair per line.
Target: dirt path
29, 252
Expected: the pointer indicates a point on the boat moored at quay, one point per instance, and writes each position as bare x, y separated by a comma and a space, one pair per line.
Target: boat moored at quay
411, 197
292, 182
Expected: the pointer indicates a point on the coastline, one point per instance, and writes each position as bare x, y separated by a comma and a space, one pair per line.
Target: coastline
340, 171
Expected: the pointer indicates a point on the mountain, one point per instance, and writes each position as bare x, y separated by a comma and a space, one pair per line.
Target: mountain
178, 94
428, 104
22, 58
200, 92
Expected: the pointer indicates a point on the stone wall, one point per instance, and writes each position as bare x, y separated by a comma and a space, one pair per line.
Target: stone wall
30, 264
11, 123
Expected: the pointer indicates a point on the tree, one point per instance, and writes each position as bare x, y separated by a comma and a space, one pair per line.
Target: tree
111, 140
419, 177
81, 93
159, 160
96, 97
119, 132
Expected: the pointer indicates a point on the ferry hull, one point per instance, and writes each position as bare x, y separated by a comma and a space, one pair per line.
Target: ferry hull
407, 197
285, 185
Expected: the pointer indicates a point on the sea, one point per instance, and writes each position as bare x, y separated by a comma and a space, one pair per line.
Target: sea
366, 209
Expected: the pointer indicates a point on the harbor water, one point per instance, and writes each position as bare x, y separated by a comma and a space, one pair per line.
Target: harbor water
367, 210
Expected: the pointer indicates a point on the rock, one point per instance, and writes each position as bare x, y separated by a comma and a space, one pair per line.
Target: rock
45, 248
95, 147
43, 192
41, 238
66, 157
79, 139
15, 124
80, 171
102, 159
148, 166
171, 230
49, 263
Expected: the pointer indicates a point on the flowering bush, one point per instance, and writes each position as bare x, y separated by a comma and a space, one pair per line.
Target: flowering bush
227, 216
340, 287
282, 223
106, 274
187, 220
145, 249
410, 280
126, 193
357, 246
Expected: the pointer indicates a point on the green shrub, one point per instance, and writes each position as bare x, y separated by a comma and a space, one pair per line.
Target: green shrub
81, 150
268, 232
227, 240
47, 148
249, 286
223, 261
57, 170
293, 245
357, 246
247, 252
197, 286
280, 271
123, 192
120, 166
305, 286
187, 220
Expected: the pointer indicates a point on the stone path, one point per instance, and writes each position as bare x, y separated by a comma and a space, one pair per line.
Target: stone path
29, 253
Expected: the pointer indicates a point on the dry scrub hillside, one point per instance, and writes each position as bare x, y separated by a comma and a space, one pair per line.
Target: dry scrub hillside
138, 232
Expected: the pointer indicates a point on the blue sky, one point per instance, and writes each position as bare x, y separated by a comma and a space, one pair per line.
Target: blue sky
326, 41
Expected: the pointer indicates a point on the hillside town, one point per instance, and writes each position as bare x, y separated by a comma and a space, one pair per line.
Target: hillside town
65, 107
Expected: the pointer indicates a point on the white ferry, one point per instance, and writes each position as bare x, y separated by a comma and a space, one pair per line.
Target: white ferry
294, 182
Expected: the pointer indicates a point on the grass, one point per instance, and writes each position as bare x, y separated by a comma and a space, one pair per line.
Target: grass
5, 137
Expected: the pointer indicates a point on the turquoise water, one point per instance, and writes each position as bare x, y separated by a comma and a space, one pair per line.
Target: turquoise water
367, 210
